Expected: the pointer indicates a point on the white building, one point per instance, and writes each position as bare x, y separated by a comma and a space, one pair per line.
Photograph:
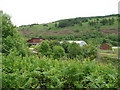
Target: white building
115, 47
81, 43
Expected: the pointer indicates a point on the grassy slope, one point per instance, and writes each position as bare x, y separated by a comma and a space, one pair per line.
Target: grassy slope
30, 31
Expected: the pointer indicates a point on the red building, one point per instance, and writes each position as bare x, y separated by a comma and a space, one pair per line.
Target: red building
105, 46
35, 41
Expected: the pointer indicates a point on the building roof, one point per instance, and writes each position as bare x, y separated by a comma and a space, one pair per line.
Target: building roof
81, 43
105, 46
35, 40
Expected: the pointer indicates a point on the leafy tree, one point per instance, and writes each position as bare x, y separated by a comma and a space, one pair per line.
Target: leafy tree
89, 51
14, 43
8, 29
74, 50
58, 52
65, 46
54, 43
44, 48
11, 39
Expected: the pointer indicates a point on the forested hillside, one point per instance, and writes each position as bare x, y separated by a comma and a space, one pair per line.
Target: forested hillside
95, 30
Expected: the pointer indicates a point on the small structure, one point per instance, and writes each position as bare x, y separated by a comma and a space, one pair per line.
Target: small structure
35, 41
81, 43
105, 46
115, 48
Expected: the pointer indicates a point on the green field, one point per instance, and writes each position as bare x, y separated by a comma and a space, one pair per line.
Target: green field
109, 53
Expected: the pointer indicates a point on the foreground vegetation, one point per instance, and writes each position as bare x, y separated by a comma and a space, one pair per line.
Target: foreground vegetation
55, 66
35, 72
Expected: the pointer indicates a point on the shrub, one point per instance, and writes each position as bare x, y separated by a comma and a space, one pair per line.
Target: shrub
89, 51
74, 49
33, 46
58, 52
65, 46
44, 48
54, 43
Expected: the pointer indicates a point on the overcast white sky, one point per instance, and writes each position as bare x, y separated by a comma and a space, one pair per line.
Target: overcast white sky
25, 12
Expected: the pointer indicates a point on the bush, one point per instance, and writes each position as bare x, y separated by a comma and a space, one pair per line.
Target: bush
58, 52
74, 50
33, 46
54, 43
44, 48
65, 46
89, 51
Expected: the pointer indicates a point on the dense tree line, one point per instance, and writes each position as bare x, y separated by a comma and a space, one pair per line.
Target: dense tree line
103, 21
73, 50
71, 22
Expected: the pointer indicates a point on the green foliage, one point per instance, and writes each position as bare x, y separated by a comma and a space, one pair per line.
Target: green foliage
53, 43
110, 60
65, 46
58, 52
11, 39
74, 49
33, 46
1, 13
44, 48
34, 72
8, 29
66, 49
68, 22
89, 51
13, 43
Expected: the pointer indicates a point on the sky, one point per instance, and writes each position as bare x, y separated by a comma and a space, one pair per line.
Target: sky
24, 12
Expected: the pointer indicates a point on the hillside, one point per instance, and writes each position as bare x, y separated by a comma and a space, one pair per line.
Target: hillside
81, 28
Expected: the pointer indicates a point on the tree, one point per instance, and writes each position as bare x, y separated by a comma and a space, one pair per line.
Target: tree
53, 43
89, 51
58, 52
0, 31
65, 46
44, 48
8, 29
11, 38
74, 49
